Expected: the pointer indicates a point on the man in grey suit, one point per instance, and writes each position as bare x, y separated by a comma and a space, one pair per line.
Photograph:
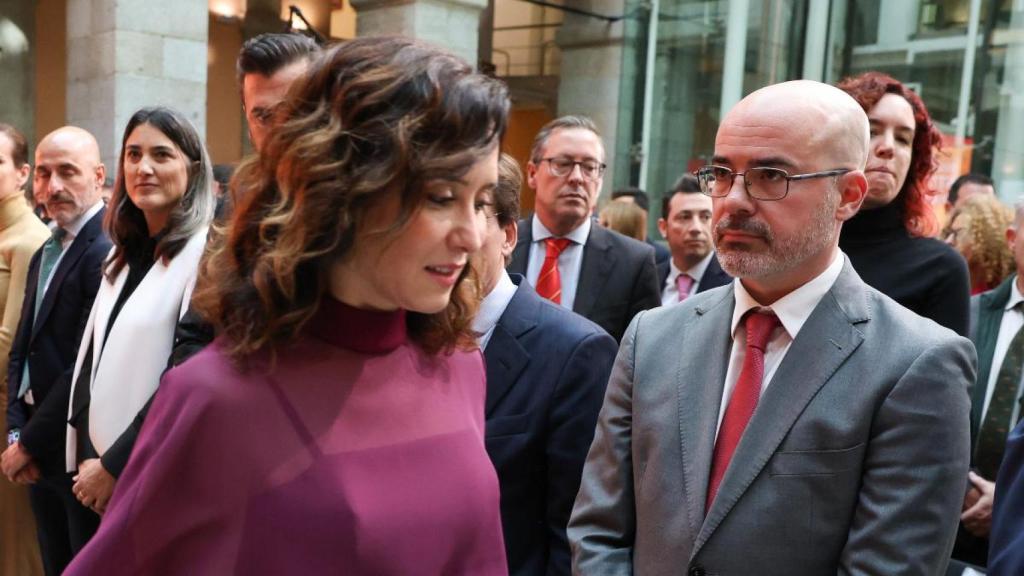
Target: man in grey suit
797, 421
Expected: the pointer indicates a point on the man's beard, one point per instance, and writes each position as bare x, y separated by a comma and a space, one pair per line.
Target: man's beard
782, 254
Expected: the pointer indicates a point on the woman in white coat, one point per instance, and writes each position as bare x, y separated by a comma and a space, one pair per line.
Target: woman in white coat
158, 220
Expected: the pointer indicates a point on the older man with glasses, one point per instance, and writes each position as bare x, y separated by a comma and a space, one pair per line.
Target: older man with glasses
597, 273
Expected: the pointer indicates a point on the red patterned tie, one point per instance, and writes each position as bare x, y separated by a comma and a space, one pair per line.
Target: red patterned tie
549, 283
744, 399
683, 283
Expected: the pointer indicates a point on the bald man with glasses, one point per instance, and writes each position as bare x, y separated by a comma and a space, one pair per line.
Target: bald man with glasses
796, 421
595, 272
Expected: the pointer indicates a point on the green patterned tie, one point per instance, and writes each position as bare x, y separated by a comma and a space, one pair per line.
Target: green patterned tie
996, 425
52, 250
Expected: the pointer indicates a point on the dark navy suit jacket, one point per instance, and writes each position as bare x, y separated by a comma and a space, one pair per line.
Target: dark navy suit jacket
618, 278
1006, 541
51, 342
713, 276
547, 369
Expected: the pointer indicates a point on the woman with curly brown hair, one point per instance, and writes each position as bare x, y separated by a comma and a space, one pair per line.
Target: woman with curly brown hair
889, 241
336, 423
977, 230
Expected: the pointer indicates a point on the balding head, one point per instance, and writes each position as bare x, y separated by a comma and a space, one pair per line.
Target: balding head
68, 174
777, 232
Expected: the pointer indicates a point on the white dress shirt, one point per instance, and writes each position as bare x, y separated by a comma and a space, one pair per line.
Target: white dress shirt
670, 291
491, 309
793, 310
570, 261
1012, 322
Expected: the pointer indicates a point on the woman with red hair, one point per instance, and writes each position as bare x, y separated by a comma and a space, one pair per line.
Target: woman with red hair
890, 241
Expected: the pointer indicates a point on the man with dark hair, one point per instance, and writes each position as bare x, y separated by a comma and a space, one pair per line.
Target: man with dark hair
588, 269
686, 223
546, 374
634, 195
267, 66
62, 281
967, 185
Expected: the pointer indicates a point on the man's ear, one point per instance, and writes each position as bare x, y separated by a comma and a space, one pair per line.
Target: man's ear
23, 174
511, 237
531, 175
663, 228
853, 188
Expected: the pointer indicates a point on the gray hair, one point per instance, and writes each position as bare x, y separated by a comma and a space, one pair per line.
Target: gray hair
562, 123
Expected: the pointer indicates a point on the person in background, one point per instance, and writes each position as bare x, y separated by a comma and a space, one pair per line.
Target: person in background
977, 230
546, 373
626, 219
597, 273
686, 223
337, 422
997, 331
1006, 550
21, 235
797, 421
967, 186
634, 195
267, 66
157, 220
890, 241
63, 278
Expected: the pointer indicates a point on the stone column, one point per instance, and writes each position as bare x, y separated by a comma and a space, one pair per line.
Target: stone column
17, 67
452, 24
127, 54
591, 72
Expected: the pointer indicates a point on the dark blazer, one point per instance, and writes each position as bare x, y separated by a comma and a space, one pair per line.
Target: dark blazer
1006, 553
51, 341
986, 316
547, 369
617, 278
713, 276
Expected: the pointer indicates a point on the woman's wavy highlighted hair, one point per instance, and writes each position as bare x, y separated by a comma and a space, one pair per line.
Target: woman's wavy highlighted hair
867, 89
372, 117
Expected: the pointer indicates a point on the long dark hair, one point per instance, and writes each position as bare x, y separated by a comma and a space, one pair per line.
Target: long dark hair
372, 118
125, 222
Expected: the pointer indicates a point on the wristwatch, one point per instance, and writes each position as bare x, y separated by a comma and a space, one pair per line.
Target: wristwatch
13, 436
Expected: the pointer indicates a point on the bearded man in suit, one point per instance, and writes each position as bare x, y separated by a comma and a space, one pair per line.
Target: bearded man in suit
796, 421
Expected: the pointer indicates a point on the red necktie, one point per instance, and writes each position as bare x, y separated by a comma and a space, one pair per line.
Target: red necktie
744, 399
549, 283
683, 283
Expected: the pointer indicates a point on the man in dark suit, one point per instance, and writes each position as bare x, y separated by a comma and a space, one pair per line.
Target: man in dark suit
590, 270
63, 278
816, 427
1006, 550
686, 223
546, 373
996, 319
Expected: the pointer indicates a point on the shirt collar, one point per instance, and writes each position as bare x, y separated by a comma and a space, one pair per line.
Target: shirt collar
75, 227
1015, 296
578, 236
794, 308
493, 306
696, 271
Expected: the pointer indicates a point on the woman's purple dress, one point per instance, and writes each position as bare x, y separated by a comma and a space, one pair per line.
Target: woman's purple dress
355, 453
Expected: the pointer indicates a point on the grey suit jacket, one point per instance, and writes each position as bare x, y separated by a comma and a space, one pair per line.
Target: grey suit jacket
854, 462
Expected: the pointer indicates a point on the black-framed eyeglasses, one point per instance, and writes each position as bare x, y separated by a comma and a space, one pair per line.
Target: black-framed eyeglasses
762, 183
561, 167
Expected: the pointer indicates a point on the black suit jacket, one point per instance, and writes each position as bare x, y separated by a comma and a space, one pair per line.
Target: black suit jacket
713, 276
50, 343
617, 279
547, 369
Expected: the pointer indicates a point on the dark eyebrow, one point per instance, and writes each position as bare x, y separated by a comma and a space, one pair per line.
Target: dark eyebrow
770, 162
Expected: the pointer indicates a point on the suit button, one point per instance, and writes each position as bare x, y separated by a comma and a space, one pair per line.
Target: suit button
697, 570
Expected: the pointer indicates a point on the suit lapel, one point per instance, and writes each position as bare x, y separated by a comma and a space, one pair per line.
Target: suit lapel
825, 341
991, 306
700, 374
506, 357
598, 262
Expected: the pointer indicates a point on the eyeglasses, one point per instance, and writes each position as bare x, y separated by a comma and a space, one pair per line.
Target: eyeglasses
762, 183
561, 167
